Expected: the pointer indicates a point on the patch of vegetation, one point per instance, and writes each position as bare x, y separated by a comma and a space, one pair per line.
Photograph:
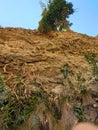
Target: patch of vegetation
65, 70
91, 58
82, 89
79, 86
69, 75
77, 90
79, 112
15, 108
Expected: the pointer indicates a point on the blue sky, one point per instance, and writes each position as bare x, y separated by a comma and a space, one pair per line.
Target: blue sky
27, 13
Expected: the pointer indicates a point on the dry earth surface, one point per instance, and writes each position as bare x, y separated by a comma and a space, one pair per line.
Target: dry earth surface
55, 65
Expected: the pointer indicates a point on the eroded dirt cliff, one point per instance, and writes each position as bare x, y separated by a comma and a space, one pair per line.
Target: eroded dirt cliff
52, 78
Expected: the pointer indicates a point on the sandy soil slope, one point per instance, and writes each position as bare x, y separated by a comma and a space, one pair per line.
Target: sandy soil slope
39, 60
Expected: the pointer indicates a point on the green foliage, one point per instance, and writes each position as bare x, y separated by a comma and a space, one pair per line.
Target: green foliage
1, 81
3, 93
81, 85
17, 107
92, 60
79, 113
43, 26
65, 70
55, 14
77, 90
15, 112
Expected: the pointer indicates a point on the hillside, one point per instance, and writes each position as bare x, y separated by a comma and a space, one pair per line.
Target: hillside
50, 80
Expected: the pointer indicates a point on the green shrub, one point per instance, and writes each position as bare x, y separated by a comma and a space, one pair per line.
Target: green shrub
43, 26
55, 14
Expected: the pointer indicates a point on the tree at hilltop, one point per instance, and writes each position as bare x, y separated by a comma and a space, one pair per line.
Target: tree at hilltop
55, 15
